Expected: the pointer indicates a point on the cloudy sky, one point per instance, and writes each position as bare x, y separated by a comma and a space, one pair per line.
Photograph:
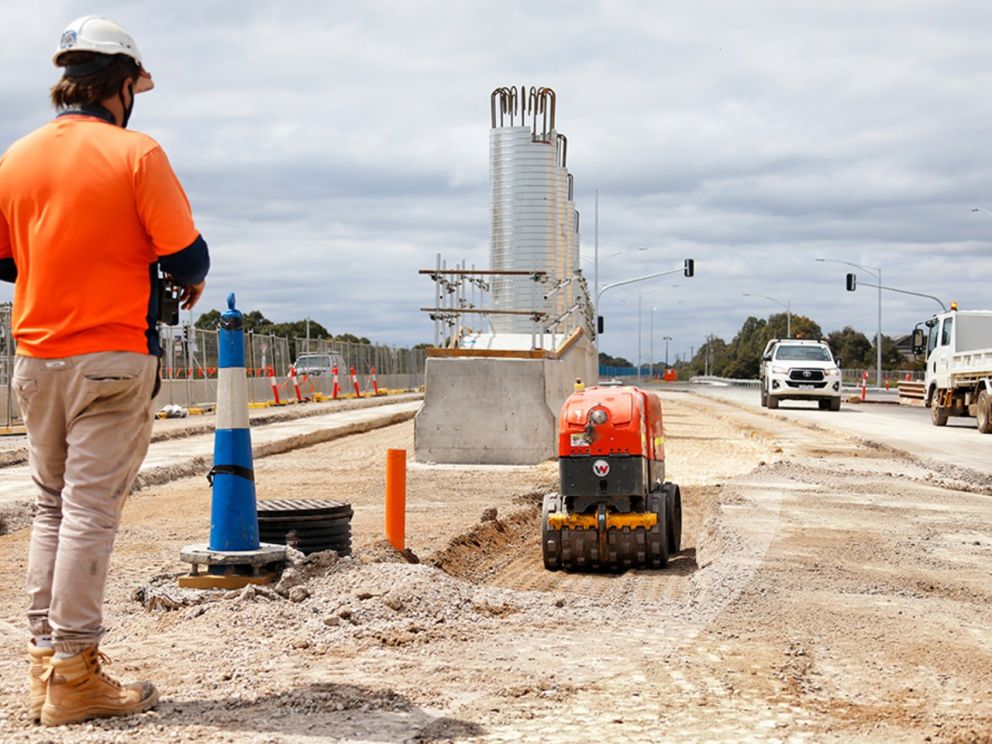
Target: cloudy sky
331, 149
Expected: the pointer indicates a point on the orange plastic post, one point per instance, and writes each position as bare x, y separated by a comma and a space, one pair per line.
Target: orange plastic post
396, 498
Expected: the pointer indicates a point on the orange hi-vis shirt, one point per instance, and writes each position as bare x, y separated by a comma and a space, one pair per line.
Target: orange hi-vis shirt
86, 211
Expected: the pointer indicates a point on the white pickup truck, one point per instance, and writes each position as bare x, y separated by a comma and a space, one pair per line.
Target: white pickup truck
958, 346
795, 369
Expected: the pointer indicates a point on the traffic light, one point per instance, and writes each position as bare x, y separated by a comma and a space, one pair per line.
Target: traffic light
690, 267
852, 282
599, 324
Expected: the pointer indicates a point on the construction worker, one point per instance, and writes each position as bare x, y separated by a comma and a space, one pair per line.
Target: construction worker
89, 213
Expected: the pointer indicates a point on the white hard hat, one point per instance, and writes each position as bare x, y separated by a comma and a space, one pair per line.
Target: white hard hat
101, 36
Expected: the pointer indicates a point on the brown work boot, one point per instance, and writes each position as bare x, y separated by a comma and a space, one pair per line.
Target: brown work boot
40, 659
79, 689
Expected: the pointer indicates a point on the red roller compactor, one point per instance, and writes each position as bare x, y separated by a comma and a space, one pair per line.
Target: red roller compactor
614, 509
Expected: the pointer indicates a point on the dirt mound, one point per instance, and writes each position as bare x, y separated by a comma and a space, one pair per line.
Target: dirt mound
382, 551
14, 517
473, 554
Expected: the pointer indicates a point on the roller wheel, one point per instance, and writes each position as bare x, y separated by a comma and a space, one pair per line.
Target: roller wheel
550, 539
984, 414
772, 402
657, 536
938, 415
673, 526
835, 404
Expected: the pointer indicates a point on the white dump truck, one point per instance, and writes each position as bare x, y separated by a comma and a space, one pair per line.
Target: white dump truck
799, 369
958, 348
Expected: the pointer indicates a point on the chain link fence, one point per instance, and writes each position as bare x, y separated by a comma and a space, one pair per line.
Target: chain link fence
9, 415
190, 361
189, 366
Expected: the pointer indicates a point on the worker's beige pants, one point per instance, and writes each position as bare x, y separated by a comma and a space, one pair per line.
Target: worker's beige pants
89, 421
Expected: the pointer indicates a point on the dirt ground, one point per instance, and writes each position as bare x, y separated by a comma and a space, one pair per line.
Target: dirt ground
828, 590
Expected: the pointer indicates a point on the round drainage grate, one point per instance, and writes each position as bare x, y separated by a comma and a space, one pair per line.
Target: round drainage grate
309, 525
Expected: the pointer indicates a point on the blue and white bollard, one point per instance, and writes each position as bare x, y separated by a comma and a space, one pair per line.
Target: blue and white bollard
233, 514
234, 557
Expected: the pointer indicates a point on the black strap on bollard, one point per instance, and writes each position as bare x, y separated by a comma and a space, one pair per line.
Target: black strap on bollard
239, 470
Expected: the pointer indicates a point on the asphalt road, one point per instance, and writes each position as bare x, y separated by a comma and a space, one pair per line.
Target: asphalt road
903, 427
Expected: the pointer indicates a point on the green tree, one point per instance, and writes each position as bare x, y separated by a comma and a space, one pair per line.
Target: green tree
852, 347
253, 320
802, 327
609, 361
208, 321
744, 353
351, 339
718, 352
892, 358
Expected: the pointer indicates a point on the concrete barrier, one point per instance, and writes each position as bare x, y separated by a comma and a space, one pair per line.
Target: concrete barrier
497, 409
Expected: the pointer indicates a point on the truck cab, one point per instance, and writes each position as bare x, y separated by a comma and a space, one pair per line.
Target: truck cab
799, 369
957, 345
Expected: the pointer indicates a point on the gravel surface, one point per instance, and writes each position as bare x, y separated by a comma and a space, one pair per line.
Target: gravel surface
828, 591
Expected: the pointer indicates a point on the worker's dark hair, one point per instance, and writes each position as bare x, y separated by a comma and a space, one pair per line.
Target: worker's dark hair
91, 87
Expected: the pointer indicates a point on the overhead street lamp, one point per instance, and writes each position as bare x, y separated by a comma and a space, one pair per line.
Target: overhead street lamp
784, 303
981, 209
688, 268
875, 271
852, 284
614, 255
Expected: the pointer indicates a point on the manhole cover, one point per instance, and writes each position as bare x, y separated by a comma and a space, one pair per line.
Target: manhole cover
309, 525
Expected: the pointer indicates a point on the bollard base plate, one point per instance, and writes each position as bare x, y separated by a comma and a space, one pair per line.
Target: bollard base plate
230, 569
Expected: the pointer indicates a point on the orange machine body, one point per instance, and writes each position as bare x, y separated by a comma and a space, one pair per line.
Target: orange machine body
633, 425
613, 508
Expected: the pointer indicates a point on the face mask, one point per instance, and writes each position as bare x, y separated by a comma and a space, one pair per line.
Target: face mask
128, 107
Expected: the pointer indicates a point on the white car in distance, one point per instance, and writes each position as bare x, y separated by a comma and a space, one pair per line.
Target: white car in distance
799, 369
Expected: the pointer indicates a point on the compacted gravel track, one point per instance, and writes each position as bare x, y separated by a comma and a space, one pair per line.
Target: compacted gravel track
828, 590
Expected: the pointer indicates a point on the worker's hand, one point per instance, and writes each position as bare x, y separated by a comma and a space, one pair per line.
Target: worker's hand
190, 294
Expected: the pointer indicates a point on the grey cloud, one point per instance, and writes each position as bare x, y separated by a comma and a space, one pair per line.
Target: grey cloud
330, 150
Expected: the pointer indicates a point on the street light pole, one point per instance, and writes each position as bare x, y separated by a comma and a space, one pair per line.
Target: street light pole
878, 351
638, 338
875, 271
651, 353
595, 253
784, 303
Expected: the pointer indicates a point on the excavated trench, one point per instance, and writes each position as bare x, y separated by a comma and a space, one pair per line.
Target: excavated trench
506, 552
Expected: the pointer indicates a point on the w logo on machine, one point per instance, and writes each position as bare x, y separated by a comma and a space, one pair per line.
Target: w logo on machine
601, 468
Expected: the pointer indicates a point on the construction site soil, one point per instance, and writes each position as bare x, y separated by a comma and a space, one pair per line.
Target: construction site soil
828, 590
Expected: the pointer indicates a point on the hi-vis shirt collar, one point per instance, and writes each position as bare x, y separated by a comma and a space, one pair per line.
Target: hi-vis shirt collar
89, 109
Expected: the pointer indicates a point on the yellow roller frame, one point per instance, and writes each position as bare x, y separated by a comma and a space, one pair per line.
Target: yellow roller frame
559, 521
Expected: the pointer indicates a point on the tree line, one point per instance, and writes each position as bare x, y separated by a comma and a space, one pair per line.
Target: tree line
741, 357
256, 322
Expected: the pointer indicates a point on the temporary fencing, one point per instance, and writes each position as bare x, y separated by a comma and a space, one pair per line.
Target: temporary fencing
9, 415
189, 367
